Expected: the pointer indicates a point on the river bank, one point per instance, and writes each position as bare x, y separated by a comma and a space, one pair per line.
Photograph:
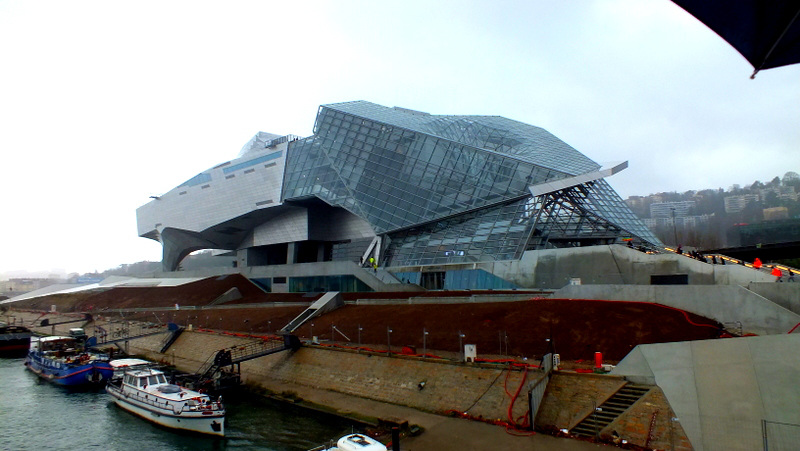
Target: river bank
424, 393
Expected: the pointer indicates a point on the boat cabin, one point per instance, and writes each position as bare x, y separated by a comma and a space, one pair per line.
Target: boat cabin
57, 346
141, 379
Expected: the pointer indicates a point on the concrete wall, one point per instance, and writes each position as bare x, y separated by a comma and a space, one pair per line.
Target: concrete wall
787, 295
726, 304
541, 269
478, 391
301, 270
721, 389
571, 397
473, 389
650, 423
615, 265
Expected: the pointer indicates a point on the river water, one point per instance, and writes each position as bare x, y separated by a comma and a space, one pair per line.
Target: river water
37, 415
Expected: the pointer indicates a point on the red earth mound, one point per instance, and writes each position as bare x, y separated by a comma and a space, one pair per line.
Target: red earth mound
576, 329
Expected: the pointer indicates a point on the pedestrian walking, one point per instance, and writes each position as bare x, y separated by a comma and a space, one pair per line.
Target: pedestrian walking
777, 273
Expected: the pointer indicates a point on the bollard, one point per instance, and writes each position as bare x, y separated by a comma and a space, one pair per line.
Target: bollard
395, 438
598, 359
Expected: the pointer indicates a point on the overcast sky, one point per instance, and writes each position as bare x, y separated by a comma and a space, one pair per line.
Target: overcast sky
104, 103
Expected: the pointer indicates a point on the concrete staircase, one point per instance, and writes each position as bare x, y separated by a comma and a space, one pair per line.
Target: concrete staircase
607, 412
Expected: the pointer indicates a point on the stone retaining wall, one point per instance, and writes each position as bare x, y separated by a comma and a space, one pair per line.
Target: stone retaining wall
571, 397
472, 389
479, 391
650, 417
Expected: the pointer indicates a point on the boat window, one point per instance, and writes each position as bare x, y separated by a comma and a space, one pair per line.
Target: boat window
153, 380
143, 381
162, 379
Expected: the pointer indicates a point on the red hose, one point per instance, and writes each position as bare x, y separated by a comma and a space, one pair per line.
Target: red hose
521, 424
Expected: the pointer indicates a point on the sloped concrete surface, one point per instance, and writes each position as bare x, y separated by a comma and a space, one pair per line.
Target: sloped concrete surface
786, 294
720, 390
726, 304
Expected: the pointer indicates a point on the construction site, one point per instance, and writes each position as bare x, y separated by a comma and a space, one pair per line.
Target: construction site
696, 366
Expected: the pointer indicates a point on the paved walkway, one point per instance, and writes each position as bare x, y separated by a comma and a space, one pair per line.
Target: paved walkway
440, 432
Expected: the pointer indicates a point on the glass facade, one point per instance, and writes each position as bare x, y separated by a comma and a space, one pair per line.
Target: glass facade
453, 189
343, 283
462, 279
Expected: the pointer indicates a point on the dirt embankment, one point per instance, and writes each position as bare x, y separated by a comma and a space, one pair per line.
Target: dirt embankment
576, 329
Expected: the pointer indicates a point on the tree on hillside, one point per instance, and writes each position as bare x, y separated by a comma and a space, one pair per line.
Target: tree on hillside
791, 179
771, 200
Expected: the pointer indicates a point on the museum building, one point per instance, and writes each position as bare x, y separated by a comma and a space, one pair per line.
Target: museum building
396, 195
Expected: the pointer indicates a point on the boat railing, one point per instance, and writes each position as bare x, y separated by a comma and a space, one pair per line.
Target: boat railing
167, 404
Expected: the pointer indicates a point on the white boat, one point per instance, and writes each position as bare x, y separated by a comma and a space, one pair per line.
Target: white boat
355, 442
145, 392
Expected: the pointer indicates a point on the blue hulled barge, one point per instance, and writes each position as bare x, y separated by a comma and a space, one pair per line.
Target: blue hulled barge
65, 361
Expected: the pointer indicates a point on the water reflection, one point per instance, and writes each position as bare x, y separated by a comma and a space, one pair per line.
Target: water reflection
38, 415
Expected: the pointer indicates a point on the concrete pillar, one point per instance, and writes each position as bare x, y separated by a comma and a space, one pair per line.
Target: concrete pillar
291, 253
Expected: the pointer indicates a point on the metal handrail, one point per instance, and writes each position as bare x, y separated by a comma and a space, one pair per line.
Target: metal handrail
240, 353
215, 405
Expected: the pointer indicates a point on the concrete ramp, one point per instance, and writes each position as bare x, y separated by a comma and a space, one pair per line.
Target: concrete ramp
329, 301
786, 295
233, 294
725, 304
721, 389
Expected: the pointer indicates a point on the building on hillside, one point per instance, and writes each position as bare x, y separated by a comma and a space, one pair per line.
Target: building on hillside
687, 222
25, 284
735, 204
422, 197
786, 193
671, 209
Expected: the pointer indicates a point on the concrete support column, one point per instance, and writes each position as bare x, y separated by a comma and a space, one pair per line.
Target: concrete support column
291, 253
321, 252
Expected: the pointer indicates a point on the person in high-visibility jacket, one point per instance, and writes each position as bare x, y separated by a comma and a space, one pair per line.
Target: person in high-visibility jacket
777, 273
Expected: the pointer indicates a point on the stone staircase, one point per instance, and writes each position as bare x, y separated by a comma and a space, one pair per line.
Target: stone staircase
609, 410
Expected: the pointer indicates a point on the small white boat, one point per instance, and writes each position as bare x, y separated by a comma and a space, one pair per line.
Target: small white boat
145, 392
355, 442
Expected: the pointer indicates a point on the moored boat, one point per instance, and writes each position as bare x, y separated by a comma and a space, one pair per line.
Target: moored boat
14, 340
65, 361
147, 393
354, 442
